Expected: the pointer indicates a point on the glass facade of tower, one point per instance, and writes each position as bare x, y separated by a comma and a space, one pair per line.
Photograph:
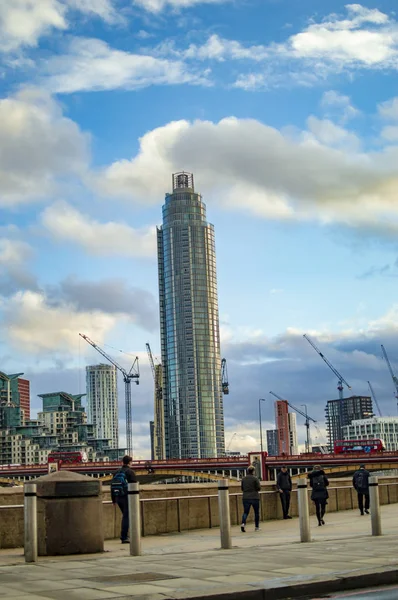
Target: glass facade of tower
189, 326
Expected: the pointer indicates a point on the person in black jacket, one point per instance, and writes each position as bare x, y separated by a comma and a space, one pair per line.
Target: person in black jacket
119, 495
251, 498
360, 481
284, 487
319, 495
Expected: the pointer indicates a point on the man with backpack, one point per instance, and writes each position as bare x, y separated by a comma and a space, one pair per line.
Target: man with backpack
360, 482
319, 495
119, 496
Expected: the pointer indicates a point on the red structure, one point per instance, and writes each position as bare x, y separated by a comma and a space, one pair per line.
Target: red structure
24, 396
282, 426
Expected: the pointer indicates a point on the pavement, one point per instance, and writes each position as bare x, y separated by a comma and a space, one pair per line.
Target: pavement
265, 565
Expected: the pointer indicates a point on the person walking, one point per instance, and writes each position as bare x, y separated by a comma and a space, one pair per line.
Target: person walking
319, 495
284, 487
251, 498
119, 494
360, 481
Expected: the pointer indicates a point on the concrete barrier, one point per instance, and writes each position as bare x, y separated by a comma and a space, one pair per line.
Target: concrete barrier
195, 508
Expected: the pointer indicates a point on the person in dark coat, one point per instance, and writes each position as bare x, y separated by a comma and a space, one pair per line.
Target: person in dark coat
360, 481
251, 498
284, 487
121, 499
319, 495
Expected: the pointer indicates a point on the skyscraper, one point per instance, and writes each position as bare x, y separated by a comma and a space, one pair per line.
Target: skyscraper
102, 402
282, 426
189, 326
293, 444
340, 413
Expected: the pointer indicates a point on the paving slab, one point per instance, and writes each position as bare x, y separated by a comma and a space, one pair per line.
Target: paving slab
271, 564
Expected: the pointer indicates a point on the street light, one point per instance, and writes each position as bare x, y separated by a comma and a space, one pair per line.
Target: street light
307, 424
261, 428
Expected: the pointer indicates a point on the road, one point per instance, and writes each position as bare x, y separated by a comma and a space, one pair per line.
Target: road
379, 593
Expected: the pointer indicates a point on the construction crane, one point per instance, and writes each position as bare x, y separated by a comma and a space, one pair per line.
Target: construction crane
394, 378
224, 376
128, 377
340, 378
303, 414
231, 440
374, 397
158, 387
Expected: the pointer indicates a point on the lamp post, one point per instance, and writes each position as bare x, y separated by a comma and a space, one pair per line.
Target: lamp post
261, 428
307, 424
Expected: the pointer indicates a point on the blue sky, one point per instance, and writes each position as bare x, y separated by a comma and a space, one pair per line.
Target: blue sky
287, 114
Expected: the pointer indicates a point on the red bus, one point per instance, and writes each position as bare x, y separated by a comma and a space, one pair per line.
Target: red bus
67, 458
370, 446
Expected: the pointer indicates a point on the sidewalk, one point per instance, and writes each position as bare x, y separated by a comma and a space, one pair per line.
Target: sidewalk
269, 564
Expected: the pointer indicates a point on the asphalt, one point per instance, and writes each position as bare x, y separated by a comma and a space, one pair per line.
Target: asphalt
266, 565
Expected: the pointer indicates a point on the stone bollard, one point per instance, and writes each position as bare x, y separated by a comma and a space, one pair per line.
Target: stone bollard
375, 505
30, 522
134, 519
304, 513
225, 521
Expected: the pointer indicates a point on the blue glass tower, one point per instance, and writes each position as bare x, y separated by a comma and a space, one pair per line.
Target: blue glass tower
189, 326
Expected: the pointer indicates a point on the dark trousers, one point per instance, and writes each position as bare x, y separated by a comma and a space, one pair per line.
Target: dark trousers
360, 501
124, 507
285, 501
246, 509
320, 508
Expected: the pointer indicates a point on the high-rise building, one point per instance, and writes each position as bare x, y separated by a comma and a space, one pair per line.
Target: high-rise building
159, 451
24, 397
282, 426
272, 442
293, 445
189, 326
14, 400
340, 413
102, 402
382, 428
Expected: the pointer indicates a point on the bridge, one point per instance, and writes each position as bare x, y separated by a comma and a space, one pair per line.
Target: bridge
233, 467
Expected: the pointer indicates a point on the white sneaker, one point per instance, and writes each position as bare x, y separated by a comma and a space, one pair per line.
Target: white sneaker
242, 528
257, 529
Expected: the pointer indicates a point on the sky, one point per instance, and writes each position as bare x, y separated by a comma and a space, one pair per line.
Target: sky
287, 114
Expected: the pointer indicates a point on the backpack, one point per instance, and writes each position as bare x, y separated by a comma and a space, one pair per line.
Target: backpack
318, 482
119, 484
360, 479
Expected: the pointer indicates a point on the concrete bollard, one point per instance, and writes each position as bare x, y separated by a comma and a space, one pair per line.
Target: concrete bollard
304, 513
225, 521
30, 522
375, 505
134, 519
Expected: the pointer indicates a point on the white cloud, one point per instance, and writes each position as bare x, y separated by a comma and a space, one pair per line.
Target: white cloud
279, 176
347, 41
389, 109
38, 145
390, 133
217, 48
23, 22
93, 65
335, 103
330, 134
66, 224
156, 6
14, 252
32, 326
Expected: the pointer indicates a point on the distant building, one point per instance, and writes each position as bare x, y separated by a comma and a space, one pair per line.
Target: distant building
272, 442
293, 444
24, 397
384, 428
282, 426
102, 402
152, 436
14, 400
159, 449
340, 413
